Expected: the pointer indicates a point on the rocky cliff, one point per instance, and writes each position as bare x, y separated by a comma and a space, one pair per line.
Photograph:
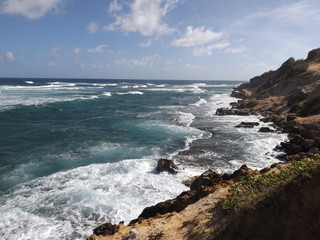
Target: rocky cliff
294, 88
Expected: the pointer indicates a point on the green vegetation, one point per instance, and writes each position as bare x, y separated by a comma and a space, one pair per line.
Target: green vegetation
311, 106
300, 66
253, 187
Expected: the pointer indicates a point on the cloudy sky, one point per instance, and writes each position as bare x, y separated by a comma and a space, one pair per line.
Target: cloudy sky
154, 39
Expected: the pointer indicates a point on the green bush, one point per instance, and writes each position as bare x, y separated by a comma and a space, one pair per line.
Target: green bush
300, 66
311, 106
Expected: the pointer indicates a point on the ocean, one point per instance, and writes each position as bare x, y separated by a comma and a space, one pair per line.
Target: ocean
75, 153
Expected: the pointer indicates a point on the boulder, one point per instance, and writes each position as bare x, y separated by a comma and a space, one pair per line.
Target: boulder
207, 179
106, 229
166, 165
247, 124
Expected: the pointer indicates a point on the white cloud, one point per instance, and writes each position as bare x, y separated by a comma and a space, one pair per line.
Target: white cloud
142, 62
145, 17
98, 49
31, 9
208, 50
196, 36
92, 27
10, 56
146, 44
114, 6
76, 50
235, 50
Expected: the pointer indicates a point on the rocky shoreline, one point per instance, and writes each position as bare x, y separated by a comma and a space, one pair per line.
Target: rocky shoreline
283, 97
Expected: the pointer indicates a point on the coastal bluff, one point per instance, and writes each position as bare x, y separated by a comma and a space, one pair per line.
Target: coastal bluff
278, 202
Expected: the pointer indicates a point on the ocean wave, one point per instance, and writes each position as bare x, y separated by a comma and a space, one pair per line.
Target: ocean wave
107, 94
70, 204
185, 119
199, 102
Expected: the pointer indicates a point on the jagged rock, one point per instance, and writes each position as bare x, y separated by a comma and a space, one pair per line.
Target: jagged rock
206, 179
266, 130
247, 124
314, 55
166, 165
106, 229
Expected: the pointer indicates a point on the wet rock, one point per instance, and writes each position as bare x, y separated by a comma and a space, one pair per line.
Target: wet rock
266, 130
166, 165
207, 179
227, 111
247, 124
106, 229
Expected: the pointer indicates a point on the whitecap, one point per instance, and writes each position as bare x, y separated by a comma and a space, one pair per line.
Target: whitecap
107, 94
130, 93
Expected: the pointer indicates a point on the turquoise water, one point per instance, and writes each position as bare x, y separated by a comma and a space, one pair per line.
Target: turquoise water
77, 153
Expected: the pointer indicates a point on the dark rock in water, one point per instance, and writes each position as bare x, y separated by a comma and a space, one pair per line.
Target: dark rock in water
266, 130
226, 111
206, 179
106, 229
166, 165
247, 124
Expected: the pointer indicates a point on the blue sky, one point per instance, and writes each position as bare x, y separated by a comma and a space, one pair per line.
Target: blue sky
154, 39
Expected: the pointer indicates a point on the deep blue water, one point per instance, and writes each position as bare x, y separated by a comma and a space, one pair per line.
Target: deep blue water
77, 153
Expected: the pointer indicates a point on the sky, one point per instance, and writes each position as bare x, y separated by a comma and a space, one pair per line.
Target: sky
154, 39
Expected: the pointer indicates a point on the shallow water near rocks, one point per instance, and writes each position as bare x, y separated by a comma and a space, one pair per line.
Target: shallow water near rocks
77, 153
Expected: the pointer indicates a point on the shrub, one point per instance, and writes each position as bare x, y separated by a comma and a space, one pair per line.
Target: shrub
252, 187
311, 106
298, 67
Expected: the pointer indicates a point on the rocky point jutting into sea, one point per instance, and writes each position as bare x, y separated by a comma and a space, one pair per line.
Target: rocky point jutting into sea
278, 202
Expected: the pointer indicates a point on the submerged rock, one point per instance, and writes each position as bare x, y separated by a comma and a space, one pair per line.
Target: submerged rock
166, 165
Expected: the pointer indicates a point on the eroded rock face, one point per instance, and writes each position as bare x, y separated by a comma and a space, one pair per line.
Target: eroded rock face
166, 165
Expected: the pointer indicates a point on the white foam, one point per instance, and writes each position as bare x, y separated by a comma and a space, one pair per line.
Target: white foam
68, 205
185, 119
108, 94
130, 93
199, 102
29, 82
